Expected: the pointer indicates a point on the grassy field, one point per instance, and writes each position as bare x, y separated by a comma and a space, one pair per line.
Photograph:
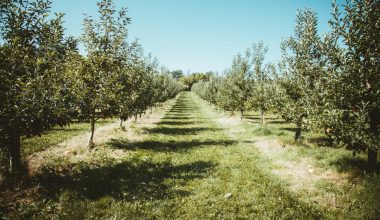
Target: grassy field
197, 163
57, 135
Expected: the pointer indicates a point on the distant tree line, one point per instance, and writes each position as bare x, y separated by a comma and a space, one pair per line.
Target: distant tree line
329, 84
190, 79
46, 82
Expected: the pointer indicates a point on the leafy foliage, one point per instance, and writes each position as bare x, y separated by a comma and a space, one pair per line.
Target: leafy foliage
45, 82
329, 85
264, 94
301, 70
353, 113
33, 86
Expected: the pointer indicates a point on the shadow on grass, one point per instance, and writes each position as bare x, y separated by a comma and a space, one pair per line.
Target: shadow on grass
322, 141
175, 122
251, 117
290, 129
174, 111
278, 122
255, 117
166, 146
354, 165
180, 116
178, 130
268, 120
137, 180
63, 129
180, 112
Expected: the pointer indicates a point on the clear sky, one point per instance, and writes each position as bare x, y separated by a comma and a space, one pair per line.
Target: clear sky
202, 35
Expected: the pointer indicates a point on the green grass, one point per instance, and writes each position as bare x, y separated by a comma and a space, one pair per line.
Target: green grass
183, 169
52, 137
356, 199
315, 145
56, 136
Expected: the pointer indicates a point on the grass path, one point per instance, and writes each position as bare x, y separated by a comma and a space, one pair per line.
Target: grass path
191, 164
74, 149
188, 168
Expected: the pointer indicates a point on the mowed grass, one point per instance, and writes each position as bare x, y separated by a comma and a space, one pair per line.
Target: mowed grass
188, 166
52, 137
57, 135
354, 194
323, 150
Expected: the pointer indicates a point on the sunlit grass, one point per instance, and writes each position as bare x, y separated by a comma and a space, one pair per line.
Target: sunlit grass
57, 135
189, 166
354, 195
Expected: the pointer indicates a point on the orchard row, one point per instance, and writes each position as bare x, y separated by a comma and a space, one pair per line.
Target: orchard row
46, 82
330, 84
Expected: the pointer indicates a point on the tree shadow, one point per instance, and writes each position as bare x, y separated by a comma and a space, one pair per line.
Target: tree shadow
289, 129
182, 106
136, 180
178, 118
178, 130
251, 117
279, 122
322, 141
62, 129
248, 142
181, 113
184, 110
257, 117
268, 121
187, 112
159, 146
356, 166
175, 122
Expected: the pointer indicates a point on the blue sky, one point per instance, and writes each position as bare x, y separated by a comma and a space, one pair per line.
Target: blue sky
202, 35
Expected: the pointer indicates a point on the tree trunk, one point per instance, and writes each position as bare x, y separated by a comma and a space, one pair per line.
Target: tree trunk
372, 160
15, 150
297, 136
374, 127
241, 115
91, 142
135, 117
262, 118
121, 122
